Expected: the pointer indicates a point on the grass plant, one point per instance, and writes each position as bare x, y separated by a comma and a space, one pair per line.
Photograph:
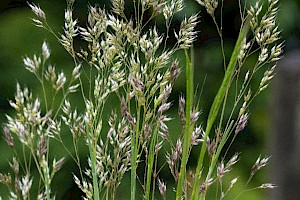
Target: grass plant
127, 58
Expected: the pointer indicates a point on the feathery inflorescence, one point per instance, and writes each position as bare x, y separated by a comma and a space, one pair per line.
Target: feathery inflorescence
130, 59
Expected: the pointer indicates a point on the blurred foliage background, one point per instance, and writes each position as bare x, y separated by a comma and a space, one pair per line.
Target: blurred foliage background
18, 37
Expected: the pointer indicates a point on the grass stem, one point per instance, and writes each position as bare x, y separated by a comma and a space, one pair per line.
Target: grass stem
214, 110
92, 151
188, 129
134, 153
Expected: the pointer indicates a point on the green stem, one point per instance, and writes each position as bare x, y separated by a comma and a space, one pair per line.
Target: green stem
92, 151
220, 147
47, 183
134, 153
150, 162
133, 167
217, 103
188, 129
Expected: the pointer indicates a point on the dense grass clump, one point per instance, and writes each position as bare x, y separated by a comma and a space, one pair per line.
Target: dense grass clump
127, 60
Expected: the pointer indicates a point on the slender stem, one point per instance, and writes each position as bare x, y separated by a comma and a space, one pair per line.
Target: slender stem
220, 29
188, 130
92, 151
220, 147
150, 162
134, 152
217, 103
47, 182
44, 92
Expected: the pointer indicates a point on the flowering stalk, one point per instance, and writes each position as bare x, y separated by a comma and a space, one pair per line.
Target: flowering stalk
188, 127
215, 157
47, 181
150, 162
217, 103
134, 154
92, 151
